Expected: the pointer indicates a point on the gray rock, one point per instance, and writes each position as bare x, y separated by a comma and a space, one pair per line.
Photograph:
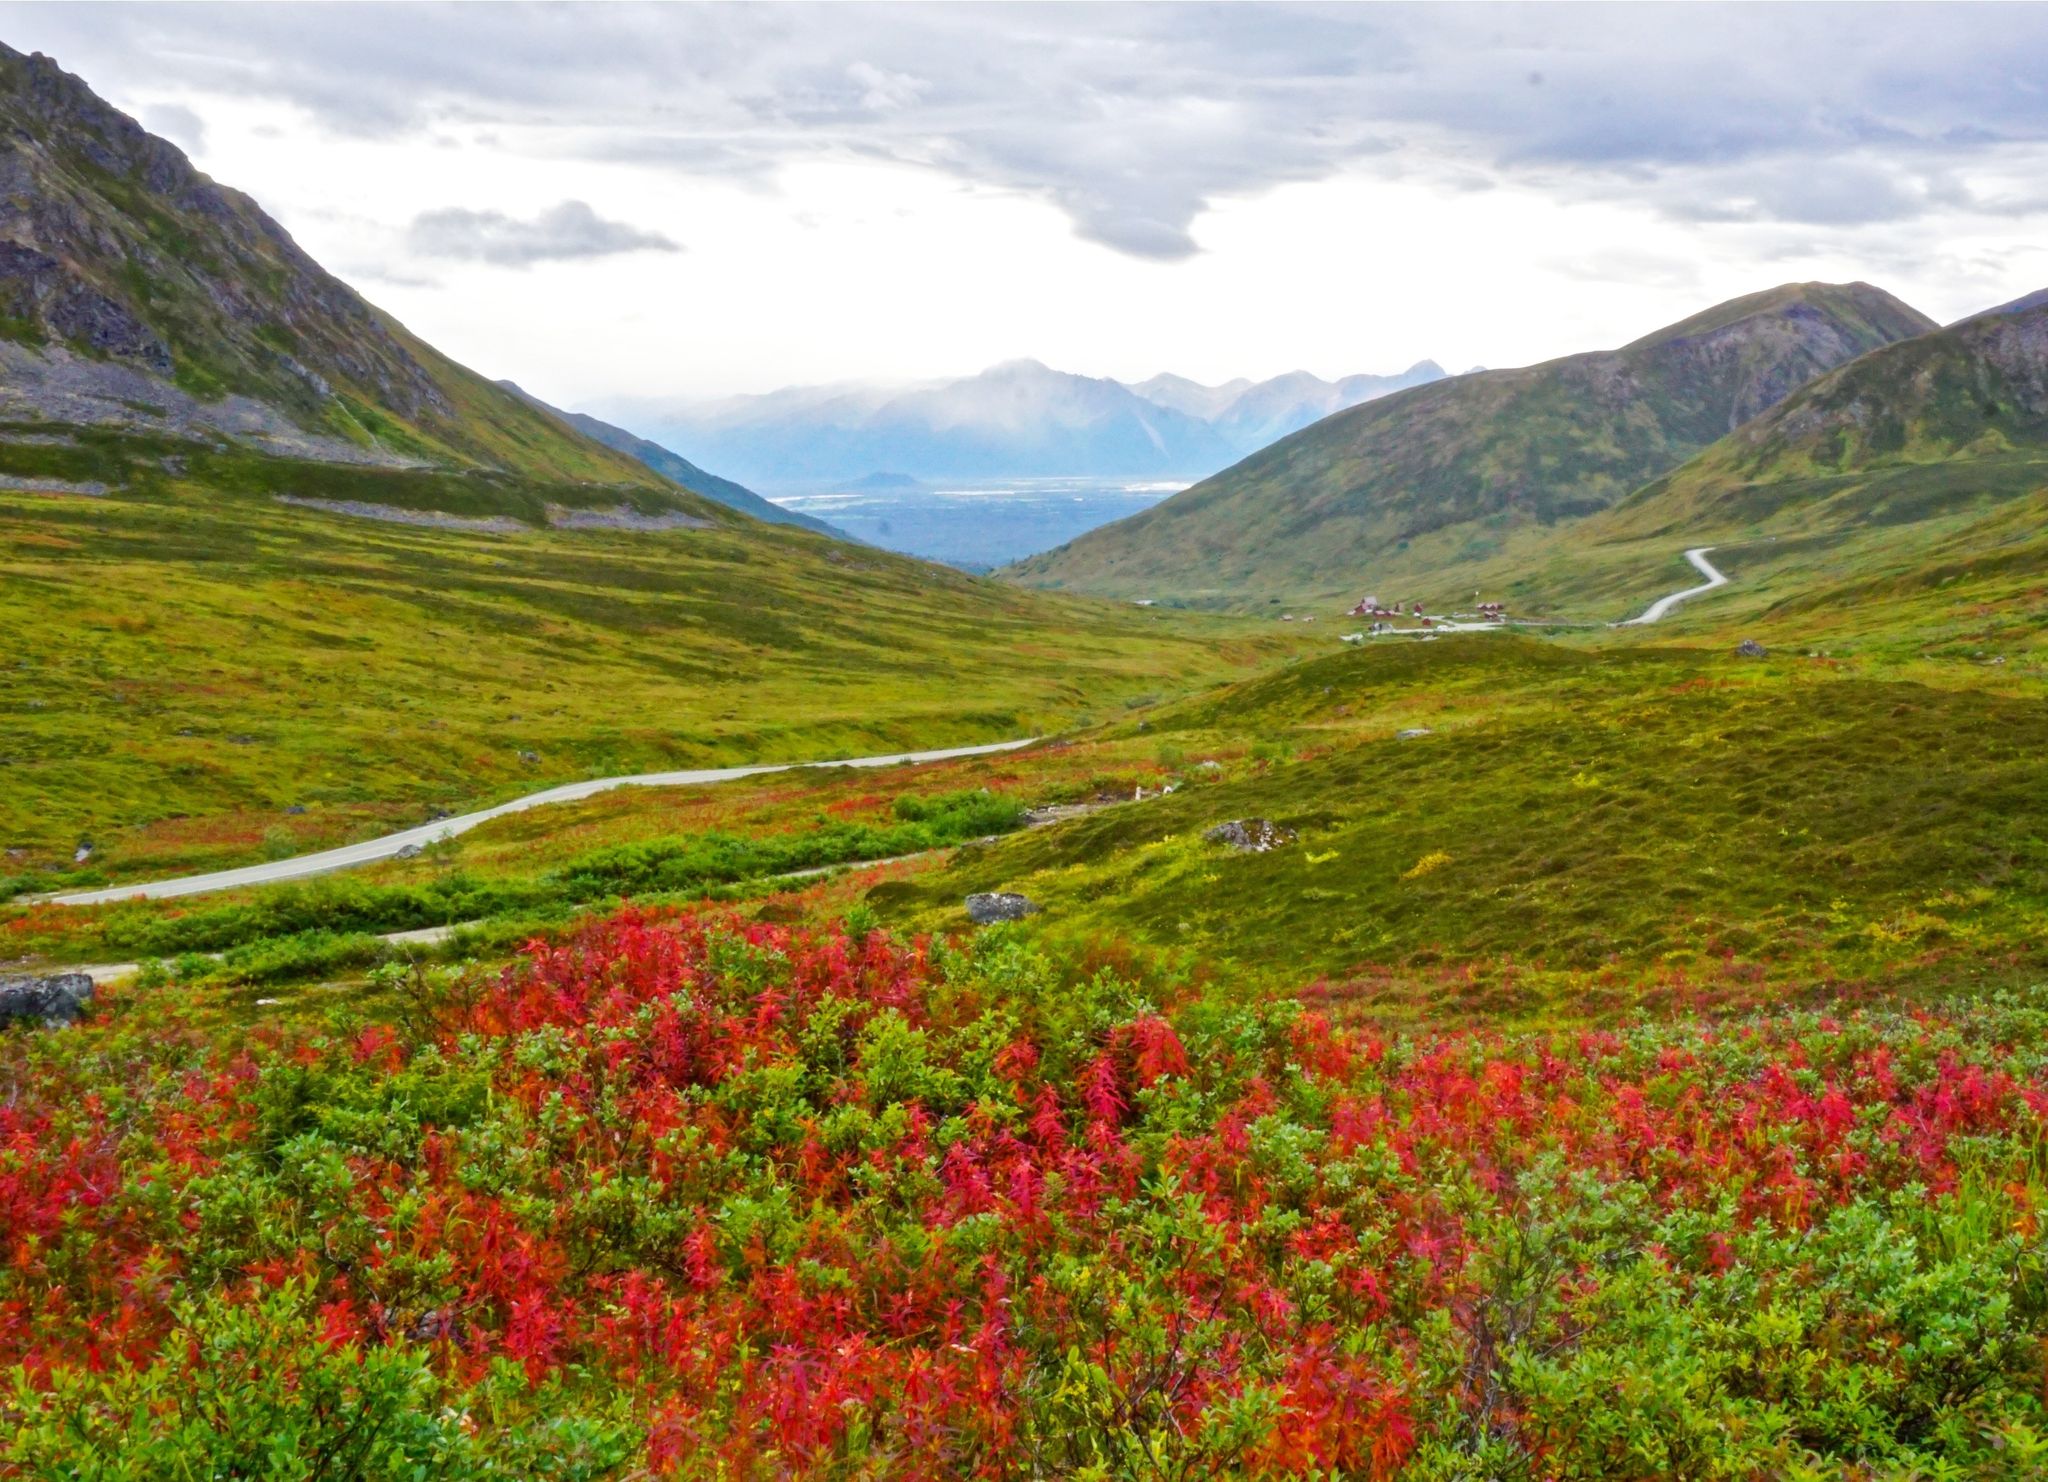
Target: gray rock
1251, 835
296, 810
1749, 648
999, 905
1413, 733
529, 757
410, 851
53, 1001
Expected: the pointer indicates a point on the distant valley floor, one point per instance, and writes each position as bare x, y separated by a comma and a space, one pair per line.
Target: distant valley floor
978, 524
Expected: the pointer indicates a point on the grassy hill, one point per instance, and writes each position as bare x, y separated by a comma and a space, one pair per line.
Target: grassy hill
1913, 428
1343, 506
192, 656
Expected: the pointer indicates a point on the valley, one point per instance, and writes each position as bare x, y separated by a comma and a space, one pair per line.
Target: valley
522, 955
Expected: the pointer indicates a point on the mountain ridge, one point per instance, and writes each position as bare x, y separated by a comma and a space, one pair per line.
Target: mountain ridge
1972, 394
1545, 443
122, 266
680, 470
1017, 418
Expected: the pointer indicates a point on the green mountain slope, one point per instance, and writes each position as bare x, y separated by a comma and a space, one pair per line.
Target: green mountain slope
1902, 433
1342, 502
680, 470
136, 292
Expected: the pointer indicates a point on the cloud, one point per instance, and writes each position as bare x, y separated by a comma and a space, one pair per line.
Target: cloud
561, 233
178, 124
1133, 120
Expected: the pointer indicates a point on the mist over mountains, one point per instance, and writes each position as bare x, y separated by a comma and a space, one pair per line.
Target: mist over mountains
1017, 419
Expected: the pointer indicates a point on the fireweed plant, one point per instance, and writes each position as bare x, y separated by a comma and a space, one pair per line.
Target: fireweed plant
691, 1196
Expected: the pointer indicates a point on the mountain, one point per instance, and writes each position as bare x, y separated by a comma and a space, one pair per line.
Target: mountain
1912, 430
276, 571
1018, 419
1550, 442
678, 469
1251, 415
137, 293
2018, 306
1191, 398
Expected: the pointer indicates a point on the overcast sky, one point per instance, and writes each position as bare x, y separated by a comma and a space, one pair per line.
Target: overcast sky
605, 202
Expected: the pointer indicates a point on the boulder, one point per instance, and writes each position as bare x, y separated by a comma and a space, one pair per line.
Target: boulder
1413, 733
53, 1001
1250, 835
1749, 648
989, 906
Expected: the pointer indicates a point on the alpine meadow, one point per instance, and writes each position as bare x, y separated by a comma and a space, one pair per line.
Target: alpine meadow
1495, 930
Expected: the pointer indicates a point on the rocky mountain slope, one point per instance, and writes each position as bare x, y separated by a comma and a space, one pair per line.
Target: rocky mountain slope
1914, 428
138, 294
1540, 444
680, 470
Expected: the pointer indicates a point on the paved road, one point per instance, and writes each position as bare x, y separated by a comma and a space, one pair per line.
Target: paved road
1698, 556
350, 855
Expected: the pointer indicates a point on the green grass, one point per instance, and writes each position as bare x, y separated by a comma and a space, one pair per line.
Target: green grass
1673, 820
192, 658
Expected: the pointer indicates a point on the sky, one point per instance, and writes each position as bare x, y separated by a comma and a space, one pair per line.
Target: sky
624, 202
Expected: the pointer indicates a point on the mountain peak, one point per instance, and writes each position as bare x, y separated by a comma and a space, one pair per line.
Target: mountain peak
1850, 303
1426, 466
1021, 368
129, 278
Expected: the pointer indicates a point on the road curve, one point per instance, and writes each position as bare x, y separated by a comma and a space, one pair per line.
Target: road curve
1698, 556
350, 855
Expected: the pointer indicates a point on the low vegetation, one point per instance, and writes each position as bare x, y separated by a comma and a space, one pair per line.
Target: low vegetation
713, 1199
1600, 828
203, 676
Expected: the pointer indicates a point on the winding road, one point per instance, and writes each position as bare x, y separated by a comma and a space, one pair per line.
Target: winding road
1698, 556
350, 855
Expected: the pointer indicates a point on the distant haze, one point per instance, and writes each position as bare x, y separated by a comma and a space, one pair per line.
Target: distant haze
1016, 420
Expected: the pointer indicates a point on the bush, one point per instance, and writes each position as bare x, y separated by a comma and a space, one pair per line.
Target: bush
686, 1193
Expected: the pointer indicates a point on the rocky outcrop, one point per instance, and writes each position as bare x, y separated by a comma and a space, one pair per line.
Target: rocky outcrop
1251, 835
48, 1001
988, 907
113, 244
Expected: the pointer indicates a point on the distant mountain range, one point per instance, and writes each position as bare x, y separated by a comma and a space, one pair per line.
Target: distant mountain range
1251, 414
1019, 419
678, 469
1543, 444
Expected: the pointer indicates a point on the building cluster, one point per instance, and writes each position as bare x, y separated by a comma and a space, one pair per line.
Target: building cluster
1370, 607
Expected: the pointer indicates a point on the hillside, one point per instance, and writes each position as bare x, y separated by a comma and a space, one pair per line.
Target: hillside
1910, 430
136, 293
277, 572
678, 469
1337, 504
